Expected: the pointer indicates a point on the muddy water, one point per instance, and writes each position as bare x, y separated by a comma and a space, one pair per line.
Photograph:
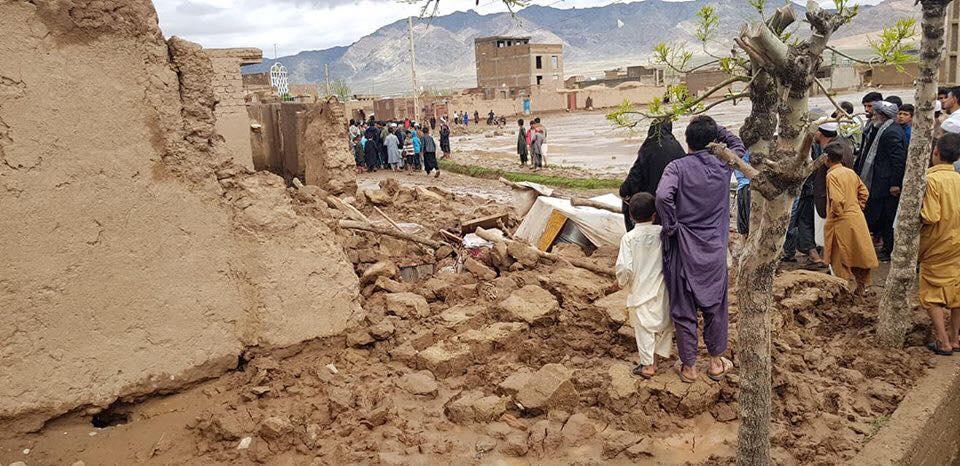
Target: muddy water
588, 140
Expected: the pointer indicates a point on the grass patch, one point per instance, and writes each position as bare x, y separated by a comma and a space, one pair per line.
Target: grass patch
517, 177
875, 427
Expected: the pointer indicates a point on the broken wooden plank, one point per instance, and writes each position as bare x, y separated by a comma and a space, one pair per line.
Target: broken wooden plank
354, 225
488, 222
583, 264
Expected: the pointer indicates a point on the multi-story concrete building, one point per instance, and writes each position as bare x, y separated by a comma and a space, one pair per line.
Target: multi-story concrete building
511, 66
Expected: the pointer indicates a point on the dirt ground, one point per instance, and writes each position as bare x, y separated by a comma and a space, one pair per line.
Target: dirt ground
496, 357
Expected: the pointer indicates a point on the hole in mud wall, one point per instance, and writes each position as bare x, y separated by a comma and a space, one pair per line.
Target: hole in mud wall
242, 362
115, 414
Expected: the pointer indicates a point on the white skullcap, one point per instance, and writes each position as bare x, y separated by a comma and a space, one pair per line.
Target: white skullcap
831, 126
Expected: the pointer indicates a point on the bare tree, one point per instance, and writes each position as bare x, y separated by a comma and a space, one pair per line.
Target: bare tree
894, 310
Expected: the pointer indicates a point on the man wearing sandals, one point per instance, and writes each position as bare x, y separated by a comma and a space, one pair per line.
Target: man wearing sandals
694, 211
940, 245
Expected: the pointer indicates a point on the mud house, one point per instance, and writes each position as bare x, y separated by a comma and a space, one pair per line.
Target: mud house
701, 81
394, 108
358, 103
508, 66
888, 75
639, 75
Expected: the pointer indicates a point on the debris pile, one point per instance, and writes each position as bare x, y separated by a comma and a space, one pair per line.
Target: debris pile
533, 362
400, 324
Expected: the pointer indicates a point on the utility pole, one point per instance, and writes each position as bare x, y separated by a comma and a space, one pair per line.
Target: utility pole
326, 77
413, 72
274, 51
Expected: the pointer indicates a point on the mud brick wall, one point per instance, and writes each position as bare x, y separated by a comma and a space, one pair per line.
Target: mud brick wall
232, 119
136, 256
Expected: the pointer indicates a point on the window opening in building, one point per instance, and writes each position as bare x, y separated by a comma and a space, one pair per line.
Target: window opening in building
539, 79
556, 61
539, 63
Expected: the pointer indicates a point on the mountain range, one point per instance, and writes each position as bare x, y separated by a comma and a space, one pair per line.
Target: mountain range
594, 39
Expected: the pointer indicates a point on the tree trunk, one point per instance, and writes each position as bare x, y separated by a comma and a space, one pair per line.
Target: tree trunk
754, 282
894, 312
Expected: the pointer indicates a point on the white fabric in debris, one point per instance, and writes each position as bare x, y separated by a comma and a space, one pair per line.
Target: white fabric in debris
600, 226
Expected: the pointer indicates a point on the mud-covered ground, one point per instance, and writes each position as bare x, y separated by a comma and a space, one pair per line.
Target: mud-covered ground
497, 356
586, 143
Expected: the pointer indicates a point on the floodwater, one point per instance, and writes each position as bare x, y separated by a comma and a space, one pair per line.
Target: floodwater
588, 140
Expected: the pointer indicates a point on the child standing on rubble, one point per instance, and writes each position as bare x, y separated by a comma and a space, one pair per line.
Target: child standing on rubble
640, 270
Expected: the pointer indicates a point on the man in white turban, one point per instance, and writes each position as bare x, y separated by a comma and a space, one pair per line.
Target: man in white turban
880, 165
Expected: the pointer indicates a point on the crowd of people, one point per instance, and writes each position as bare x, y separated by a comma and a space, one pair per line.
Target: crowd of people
393, 145
406, 145
673, 258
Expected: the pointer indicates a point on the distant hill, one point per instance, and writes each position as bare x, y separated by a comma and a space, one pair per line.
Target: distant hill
380, 63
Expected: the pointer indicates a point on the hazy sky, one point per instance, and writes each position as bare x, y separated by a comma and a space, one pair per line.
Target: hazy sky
297, 25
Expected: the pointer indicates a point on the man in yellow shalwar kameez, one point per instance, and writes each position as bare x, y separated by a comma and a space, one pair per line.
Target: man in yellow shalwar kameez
848, 247
940, 245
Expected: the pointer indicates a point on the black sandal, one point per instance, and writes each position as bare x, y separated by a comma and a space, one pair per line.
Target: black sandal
936, 350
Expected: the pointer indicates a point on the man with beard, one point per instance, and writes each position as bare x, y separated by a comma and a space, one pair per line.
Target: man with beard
881, 164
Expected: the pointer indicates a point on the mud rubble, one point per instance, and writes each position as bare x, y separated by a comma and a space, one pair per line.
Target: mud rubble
514, 357
170, 306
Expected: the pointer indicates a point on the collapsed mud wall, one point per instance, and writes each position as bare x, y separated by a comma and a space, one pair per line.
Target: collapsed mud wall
327, 158
135, 256
305, 140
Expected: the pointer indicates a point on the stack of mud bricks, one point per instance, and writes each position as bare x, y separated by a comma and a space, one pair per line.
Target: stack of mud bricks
232, 121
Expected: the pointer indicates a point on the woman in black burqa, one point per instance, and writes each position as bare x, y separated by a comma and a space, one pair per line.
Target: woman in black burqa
657, 151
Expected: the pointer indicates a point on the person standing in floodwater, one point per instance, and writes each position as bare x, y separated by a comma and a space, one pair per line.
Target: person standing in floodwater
522, 143
445, 138
536, 145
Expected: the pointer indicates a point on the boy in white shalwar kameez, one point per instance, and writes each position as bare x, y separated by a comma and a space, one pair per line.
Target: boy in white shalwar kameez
640, 271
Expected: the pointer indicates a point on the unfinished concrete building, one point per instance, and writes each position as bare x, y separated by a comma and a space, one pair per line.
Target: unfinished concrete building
510, 66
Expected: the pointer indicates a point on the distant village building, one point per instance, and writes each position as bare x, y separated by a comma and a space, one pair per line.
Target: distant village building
889, 75
700, 81
950, 70
639, 75
511, 66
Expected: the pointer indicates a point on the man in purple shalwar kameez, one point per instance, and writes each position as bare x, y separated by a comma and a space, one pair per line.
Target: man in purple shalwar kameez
693, 204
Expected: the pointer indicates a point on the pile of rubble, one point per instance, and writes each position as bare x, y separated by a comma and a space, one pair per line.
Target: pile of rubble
460, 354
507, 354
